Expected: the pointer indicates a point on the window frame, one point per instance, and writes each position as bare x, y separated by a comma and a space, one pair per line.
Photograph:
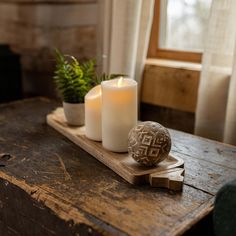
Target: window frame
154, 51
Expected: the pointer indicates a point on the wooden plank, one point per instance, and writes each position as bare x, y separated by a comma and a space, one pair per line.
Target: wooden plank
154, 37
39, 219
121, 163
175, 64
221, 154
179, 55
204, 175
121, 211
35, 212
171, 87
94, 196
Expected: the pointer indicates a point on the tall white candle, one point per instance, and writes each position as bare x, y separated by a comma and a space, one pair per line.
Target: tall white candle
119, 112
93, 125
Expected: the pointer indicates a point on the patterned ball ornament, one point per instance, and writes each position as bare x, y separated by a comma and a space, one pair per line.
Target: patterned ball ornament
149, 143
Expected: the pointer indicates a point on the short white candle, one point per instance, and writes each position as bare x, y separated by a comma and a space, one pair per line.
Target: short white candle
119, 112
93, 125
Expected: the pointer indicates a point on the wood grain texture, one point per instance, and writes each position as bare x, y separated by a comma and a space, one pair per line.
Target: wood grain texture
175, 88
121, 163
91, 197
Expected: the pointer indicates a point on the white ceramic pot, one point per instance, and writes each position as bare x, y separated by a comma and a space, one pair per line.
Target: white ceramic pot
74, 113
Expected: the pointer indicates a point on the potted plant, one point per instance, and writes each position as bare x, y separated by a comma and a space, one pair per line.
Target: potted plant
73, 80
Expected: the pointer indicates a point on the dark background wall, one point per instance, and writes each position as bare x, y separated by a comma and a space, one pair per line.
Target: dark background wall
33, 28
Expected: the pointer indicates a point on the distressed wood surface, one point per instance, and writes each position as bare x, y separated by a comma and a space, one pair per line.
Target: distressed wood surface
121, 163
49, 186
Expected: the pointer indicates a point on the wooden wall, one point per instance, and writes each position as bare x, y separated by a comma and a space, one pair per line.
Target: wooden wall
33, 28
169, 93
172, 85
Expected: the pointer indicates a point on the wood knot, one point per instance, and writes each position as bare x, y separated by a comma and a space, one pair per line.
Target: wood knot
5, 157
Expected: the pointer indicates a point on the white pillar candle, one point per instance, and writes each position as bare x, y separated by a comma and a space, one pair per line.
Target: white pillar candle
93, 103
119, 112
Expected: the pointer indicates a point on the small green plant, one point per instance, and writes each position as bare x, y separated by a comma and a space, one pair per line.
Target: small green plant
73, 80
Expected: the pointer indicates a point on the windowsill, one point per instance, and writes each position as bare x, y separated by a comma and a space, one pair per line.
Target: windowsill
174, 64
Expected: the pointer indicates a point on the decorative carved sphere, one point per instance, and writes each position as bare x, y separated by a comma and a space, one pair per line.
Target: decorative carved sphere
149, 143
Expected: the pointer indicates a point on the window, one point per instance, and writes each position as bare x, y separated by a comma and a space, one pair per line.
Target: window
178, 29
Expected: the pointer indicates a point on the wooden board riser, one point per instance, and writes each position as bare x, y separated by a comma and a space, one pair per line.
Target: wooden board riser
168, 174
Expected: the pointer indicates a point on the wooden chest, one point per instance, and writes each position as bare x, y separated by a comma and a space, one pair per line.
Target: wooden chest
49, 186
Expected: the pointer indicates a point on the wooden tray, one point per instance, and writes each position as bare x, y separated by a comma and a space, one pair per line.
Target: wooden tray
169, 173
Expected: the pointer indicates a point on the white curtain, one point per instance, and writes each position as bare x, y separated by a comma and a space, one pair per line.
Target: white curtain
124, 32
216, 107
